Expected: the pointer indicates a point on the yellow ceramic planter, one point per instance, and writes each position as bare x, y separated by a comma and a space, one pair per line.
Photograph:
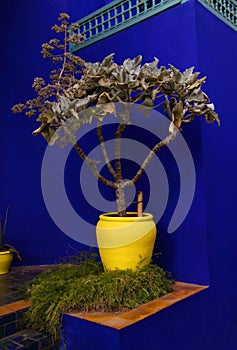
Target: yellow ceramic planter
125, 242
5, 261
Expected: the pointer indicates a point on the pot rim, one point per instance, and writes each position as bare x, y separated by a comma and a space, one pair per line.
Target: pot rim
132, 216
2, 252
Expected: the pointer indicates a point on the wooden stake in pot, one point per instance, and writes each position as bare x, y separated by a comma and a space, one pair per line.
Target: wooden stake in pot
139, 203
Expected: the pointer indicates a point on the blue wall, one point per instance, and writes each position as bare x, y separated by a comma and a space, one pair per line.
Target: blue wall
24, 27
31, 228
184, 252
184, 35
219, 152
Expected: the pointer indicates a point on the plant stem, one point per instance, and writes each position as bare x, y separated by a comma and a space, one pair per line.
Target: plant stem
118, 135
64, 55
168, 106
5, 222
104, 152
120, 198
151, 154
92, 164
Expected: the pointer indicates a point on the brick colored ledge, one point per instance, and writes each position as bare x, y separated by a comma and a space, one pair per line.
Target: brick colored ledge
122, 320
13, 307
119, 321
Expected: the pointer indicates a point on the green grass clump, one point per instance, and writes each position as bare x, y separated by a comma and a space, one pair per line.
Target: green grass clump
86, 287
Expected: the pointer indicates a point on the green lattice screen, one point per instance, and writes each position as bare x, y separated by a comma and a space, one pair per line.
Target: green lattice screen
226, 10
121, 14
118, 15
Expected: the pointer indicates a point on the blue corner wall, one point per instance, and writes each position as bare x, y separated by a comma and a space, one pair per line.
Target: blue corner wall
203, 249
24, 27
30, 226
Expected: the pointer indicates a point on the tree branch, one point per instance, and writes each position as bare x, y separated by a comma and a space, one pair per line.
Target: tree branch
151, 154
118, 136
92, 164
169, 112
104, 152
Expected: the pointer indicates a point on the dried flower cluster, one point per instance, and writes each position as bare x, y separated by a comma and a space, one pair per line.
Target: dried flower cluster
63, 76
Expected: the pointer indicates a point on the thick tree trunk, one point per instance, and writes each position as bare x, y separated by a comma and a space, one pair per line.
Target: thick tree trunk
120, 198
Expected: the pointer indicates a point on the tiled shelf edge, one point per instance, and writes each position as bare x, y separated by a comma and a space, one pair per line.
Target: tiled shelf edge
14, 307
180, 292
118, 321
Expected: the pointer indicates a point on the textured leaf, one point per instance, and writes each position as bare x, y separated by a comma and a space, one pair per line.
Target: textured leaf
192, 78
148, 102
211, 116
153, 65
64, 102
94, 68
80, 104
105, 109
150, 69
104, 98
104, 82
137, 60
47, 133
197, 95
120, 74
188, 73
108, 60
132, 66
177, 74
168, 86
43, 118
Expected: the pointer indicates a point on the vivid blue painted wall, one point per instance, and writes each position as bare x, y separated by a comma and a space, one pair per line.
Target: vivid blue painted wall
184, 35
207, 320
184, 252
219, 151
36, 235
24, 26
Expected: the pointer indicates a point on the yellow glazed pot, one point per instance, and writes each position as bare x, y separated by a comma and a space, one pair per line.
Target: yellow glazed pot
5, 261
125, 242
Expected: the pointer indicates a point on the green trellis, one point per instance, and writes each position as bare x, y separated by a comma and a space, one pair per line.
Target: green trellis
226, 10
121, 14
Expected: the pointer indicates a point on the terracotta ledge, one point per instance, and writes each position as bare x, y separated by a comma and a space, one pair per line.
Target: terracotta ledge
119, 321
13, 307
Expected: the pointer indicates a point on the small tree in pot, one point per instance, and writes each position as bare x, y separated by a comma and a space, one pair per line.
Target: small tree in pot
74, 98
